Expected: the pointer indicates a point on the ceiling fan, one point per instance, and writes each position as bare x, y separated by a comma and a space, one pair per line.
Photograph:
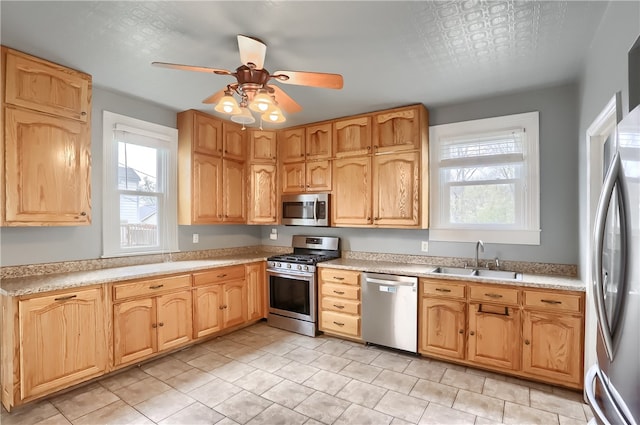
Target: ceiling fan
253, 85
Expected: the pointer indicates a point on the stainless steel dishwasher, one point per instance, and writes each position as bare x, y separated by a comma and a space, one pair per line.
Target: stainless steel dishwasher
390, 311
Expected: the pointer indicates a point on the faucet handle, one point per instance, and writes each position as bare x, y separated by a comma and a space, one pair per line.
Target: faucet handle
497, 260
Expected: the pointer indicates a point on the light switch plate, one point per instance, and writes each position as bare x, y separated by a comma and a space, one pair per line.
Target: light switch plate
425, 246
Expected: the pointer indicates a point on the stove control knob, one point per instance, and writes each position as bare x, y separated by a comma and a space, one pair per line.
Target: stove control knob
278, 265
288, 266
306, 268
299, 267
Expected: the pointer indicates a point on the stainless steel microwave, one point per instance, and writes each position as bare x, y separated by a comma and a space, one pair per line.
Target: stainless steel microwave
306, 209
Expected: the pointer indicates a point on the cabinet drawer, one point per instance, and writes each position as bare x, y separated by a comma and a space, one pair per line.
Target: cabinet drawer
340, 291
493, 294
342, 323
221, 274
443, 289
554, 301
340, 276
150, 287
344, 306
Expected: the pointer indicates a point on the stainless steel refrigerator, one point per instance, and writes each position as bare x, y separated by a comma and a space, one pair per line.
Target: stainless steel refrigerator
612, 385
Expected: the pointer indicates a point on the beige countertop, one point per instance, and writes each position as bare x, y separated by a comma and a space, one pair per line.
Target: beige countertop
427, 270
56, 281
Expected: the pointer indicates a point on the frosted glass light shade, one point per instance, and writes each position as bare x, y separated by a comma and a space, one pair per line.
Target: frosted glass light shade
227, 105
274, 115
261, 102
244, 117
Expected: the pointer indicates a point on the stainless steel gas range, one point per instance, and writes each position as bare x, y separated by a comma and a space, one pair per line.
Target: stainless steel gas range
293, 283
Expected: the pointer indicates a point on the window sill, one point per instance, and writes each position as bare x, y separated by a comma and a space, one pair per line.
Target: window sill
515, 237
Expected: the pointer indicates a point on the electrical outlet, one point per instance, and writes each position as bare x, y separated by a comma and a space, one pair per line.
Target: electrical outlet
425, 246
196, 238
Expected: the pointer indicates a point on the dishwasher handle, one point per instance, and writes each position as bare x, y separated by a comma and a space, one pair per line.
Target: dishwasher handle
388, 282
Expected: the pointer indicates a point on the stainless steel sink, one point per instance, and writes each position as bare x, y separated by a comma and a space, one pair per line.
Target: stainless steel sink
498, 274
459, 271
495, 274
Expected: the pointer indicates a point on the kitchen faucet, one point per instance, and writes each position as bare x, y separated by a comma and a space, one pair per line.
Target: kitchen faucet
479, 244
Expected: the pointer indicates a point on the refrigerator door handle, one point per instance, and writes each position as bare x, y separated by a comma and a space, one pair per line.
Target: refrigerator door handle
598, 243
590, 379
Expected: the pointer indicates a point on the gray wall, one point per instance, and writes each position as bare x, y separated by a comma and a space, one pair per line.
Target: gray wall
605, 73
30, 245
559, 199
558, 108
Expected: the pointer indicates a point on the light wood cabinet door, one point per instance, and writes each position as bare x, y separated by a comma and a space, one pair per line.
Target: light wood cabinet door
263, 196
234, 140
396, 189
233, 191
443, 327
234, 311
318, 141
494, 336
207, 312
47, 170
552, 346
174, 324
207, 133
292, 145
397, 130
351, 199
63, 340
40, 85
318, 176
263, 146
134, 330
256, 291
352, 137
293, 177
206, 199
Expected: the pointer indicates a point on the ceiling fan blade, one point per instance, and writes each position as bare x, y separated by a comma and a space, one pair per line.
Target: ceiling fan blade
251, 51
191, 68
313, 79
283, 99
214, 98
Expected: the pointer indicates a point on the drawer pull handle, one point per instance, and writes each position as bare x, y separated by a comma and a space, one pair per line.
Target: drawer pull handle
492, 295
551, 301
338, 278
156, 286
65, 298
506, 311
221, 275
338, 306
443, 290
338, 323
338, 292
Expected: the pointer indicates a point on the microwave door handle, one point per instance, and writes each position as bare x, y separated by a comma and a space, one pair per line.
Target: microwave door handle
598, 245
315, 209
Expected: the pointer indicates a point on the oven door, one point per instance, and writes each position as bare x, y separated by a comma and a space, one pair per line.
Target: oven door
292, 294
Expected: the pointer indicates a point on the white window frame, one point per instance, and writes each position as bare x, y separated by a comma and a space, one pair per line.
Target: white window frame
166, 139
528, 233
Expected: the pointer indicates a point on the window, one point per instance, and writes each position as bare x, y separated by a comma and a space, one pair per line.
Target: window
486, 180
140, 199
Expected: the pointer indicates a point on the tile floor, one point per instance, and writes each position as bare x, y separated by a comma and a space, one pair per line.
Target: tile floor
262, 375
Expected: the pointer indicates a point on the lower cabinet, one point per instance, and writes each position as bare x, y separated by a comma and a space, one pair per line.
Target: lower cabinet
339, 305
220, 300
256, 291
52, 341
534, 333
155, 321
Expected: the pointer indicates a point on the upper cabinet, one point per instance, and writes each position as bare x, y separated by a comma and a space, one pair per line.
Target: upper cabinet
399, 129
43, 86
318, 143
291, 145
211, 170
46, 112
352, 136
263, 146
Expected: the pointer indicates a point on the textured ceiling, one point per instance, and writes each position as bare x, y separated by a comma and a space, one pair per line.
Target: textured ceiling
390, 53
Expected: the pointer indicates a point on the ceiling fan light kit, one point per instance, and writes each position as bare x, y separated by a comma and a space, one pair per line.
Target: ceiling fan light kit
252, 85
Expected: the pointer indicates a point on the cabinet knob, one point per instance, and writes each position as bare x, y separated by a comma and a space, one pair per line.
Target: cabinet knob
83, 213
461, 331
472, 333
154, 325
368, 148
526, 342
161, 324
83, 113
221, 308
368, 218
